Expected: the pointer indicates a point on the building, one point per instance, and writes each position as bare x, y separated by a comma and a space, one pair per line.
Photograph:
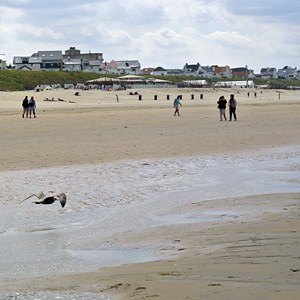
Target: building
205, 72
235, 84
175, 72
221, 72
268, 73
72, 60
73, 53
287, 73
90, 62
159, 71
197, 70
2, 62
191, 70
51, 60
200, 83
146, 71
121, 67
242, 72
42, 60
72, 65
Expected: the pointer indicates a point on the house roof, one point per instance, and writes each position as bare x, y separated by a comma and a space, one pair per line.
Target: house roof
146, 71
241, 69
30, 60
194, 67
159, 69
50, 55
206, 69
128, 64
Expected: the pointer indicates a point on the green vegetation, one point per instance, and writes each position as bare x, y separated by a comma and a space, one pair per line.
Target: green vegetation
16, 80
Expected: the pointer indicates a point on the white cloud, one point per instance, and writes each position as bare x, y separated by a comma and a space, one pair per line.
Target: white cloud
157, 32
19, 1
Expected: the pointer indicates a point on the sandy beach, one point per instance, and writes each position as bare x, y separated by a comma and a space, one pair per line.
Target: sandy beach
159, 207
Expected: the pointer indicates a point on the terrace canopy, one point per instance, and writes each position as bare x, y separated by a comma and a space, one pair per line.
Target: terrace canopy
131, 79
103, 80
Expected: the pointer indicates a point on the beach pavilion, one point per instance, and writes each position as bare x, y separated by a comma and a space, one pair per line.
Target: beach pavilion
132, 79
103, 80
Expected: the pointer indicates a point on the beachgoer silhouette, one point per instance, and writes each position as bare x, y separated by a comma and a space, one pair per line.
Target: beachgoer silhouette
32, 107
176, 105
25, 106
232, 107
222, 107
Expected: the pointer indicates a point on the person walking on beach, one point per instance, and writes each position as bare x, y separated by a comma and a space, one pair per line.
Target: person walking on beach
25, 106
177, 104
232, 107
222, 106
32, 107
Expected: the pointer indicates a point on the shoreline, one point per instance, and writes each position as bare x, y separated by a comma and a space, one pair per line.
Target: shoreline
256, 253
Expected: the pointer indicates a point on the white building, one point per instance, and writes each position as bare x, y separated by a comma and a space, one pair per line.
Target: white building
235, 84
72, 65
121, 67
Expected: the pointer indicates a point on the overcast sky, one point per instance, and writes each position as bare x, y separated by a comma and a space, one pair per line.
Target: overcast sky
167, 33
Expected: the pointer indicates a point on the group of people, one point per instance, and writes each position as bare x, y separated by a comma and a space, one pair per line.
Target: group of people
29, 107
222, 107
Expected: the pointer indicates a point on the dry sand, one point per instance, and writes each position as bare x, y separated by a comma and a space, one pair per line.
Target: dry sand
252, 256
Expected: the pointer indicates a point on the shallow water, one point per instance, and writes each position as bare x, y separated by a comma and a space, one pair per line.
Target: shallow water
107, 199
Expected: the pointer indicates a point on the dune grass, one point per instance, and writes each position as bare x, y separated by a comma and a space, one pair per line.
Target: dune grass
17, 80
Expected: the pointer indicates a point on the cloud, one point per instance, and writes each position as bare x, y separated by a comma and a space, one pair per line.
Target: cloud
157, 32
17, 2
271, 10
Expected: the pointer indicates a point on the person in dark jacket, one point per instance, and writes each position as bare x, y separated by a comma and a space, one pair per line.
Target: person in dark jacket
25, 106
222, 107
32, 107
232, 107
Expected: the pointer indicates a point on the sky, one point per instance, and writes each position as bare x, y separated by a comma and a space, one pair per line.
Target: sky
166, 33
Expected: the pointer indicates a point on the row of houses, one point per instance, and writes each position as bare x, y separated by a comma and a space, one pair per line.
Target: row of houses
201, 71
225, 72
75, 61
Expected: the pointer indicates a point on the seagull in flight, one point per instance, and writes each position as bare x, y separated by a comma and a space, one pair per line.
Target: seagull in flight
43, 199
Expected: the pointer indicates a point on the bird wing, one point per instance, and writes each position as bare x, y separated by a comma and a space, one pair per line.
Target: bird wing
28, 197
41, 195
62, 198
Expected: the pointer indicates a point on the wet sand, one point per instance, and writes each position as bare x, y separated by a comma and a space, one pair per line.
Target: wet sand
249, 250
